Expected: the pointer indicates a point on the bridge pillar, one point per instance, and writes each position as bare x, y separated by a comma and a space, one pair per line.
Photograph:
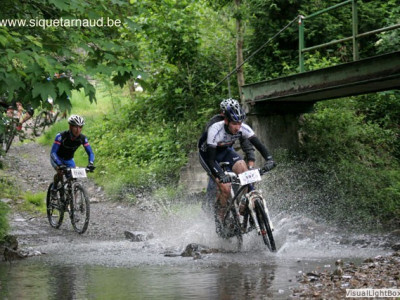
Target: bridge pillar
276, 131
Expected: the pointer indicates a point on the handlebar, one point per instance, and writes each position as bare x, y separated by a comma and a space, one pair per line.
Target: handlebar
235, 177
68, 170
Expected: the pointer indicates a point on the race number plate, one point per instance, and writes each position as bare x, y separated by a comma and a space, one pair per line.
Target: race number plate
78, 173
249, 177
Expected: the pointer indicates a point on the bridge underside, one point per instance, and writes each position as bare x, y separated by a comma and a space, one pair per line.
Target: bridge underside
297, 93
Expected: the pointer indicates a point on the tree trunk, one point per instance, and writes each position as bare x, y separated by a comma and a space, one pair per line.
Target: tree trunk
239, 49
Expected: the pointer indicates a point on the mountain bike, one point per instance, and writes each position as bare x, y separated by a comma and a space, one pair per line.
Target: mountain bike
72, 198
247, 211
9, 129
44, 119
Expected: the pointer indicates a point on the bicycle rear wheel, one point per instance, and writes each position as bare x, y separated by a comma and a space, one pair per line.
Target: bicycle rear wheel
80, 209
55, 212
265, 227
9, 139
231, 227
40, 123
3, 141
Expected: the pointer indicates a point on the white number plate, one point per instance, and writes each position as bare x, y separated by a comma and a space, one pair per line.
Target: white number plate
249, 177
78, 173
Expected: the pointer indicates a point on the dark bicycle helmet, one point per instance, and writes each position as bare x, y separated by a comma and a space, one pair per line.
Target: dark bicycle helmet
227, 102
235, 113
76, 120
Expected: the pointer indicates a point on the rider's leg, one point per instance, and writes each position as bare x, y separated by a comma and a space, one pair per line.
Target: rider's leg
224, 191
240, 167
211, 193
56, 179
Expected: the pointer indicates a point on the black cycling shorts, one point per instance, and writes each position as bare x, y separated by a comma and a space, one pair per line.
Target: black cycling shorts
226, 155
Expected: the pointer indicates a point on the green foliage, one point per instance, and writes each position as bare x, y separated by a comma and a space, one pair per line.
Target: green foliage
141, 151
34, 202
7, 191
341, 146
281, 55
4, 226
32, 54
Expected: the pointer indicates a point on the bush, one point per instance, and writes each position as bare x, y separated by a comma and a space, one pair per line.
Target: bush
3, 220
341, 146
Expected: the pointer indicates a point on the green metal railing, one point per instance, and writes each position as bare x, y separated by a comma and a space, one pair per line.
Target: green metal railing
353, 38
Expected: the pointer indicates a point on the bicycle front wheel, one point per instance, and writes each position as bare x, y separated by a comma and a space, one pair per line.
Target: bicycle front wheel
55, 211
80, 209
40, 123
265, 227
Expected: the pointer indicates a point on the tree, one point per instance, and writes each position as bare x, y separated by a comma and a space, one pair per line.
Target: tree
240, 16
40, 38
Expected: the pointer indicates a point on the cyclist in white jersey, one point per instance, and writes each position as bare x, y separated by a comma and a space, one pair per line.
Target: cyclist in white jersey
215, 146
245, 145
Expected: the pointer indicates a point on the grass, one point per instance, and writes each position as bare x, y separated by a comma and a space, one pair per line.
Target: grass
34, 202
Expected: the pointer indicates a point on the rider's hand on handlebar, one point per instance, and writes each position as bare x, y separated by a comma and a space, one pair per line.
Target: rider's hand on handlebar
62, 167
225, 178
270, 164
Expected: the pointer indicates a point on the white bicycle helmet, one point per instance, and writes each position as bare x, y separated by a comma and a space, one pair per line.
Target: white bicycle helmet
228, 102
76, 120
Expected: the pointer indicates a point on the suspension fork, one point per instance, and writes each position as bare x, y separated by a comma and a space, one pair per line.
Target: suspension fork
264, 203
251, 206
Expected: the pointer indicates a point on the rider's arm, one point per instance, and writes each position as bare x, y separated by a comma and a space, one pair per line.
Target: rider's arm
54, 149
89, 151
216, 170
248, 149
260, 147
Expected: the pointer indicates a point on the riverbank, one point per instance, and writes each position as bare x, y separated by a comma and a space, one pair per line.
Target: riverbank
381, 272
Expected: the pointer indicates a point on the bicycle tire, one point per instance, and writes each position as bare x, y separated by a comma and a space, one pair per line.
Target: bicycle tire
9, 138
3, 140
80, 208
55, 213
266, 231
40, 123
54, 119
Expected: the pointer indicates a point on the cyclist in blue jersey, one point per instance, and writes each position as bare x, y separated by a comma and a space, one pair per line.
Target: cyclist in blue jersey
215, 146
64, 147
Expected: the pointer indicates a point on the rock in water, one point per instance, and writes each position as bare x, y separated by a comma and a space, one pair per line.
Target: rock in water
137, 236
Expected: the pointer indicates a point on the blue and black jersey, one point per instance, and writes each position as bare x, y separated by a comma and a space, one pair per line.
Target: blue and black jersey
65, 145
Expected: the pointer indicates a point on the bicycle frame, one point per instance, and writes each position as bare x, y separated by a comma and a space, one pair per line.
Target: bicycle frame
72, 198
